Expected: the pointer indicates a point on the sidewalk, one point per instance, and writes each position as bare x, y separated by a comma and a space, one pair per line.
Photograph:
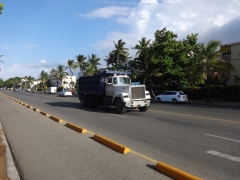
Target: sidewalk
45, 149
215, 103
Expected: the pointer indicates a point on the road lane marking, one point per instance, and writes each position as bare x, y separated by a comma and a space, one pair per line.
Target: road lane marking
117, 115
236, 159
200, 117
222, 137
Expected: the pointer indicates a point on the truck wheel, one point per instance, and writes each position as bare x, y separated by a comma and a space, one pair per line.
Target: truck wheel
83, 101
143, 109
119, 106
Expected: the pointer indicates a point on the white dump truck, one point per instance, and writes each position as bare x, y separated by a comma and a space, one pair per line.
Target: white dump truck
112, 88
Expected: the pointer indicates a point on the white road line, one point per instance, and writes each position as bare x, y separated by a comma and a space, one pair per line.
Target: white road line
222, 137
117, 115
224, 155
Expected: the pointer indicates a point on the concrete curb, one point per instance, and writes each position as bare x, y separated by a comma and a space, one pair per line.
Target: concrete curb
11, 169
76, 128
28, 106
56, 119
43, 113
111, 144
174, 172
35, 109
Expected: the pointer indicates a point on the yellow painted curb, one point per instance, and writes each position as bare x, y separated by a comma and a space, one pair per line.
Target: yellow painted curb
76, 128
35, 109
56, 119
111, 144
29, 106
174, 172
43, 113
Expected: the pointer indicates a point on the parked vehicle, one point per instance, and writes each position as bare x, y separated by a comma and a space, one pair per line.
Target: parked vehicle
28, 90
65, 93
172, 96
112, 88
52, 90
16, 89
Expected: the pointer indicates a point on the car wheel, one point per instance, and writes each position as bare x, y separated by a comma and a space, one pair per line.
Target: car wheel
174, 101
158, 99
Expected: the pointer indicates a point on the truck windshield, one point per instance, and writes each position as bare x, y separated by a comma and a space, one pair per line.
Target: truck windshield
121, 80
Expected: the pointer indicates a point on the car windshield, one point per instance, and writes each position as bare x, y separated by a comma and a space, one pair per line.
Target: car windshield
121, 80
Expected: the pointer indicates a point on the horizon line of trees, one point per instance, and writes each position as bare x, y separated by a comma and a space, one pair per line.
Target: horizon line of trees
165, 61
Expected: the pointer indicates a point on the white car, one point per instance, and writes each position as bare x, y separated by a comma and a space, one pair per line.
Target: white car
65, 93
172, 96
28, 90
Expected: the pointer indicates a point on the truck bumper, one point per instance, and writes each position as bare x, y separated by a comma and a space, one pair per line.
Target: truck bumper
137, 103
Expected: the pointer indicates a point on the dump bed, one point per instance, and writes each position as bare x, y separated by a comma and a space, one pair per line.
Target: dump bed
95, 84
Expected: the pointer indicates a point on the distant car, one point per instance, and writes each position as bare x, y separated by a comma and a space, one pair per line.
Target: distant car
28, 90
65, 93
172, 96
16, 89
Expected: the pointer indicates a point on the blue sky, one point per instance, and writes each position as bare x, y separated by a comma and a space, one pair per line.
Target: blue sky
37, 35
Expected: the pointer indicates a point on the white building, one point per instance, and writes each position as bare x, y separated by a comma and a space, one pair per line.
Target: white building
65, 83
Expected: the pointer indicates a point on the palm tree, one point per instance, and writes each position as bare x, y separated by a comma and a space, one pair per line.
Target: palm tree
94, 60
44, 77
53, 74
30, 80
90, 69
147, 69
81, 62
120, 54
72, 65
210, 62
142, 46
61, 73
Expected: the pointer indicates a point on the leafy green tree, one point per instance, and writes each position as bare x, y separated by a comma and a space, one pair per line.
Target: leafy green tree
90, 69
143, 46
119, 54
1, 7
94, 61
72, 65
210, 62
1, 82
81, 62
61, 72
43, 77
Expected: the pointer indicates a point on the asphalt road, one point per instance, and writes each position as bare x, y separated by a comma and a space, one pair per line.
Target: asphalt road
204, 141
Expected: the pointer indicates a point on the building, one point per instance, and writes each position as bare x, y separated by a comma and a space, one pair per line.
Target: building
65, 83
231, 54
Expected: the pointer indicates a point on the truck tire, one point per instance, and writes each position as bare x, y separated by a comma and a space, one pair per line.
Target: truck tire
119, 106
83, 100
143, 109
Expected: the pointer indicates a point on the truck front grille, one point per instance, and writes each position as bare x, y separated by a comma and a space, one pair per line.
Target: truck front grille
138, 92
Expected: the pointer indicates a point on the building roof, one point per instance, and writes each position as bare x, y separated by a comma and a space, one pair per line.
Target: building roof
230, 44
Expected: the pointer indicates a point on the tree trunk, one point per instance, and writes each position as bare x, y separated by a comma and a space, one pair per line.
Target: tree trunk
151, 89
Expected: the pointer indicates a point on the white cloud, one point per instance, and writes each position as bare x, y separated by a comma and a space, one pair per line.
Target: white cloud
18, 70
107, 12
29, 46
183, 17
43, 61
